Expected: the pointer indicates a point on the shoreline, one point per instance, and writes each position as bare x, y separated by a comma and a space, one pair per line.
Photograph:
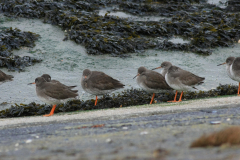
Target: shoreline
124, 112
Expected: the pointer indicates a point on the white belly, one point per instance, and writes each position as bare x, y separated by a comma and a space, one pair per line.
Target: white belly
95, 91
50, 100
150, 90
176, 84
232, 75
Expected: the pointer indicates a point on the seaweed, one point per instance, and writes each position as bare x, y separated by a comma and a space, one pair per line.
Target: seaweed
205, 25
15, 39
233, 6
130, 97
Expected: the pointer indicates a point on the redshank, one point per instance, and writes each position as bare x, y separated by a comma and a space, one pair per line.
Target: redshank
4, 77
179, 79
47, 77
99, 83
151, 81
233, 69
52, 93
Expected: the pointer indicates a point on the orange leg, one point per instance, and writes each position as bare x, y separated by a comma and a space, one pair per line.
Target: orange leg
52, 111
96, 101
180, 99
174, 97
152, 98
239, 89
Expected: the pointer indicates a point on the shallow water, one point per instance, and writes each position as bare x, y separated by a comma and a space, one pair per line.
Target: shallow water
65, 61
130, 16
220, 3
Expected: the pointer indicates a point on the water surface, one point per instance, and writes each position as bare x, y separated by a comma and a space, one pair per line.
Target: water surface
65, 61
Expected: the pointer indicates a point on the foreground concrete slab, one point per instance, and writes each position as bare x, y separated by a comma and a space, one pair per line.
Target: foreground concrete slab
159, 131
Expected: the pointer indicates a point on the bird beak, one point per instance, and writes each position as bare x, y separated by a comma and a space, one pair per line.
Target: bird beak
136, 75
221, 64
156, 68
31, 83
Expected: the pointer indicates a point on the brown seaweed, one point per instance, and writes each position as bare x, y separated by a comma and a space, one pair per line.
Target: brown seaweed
11, 39
205, 25
130, 97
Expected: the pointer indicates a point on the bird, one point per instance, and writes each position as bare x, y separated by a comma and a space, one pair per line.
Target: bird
4, 77
99, 83
151, 81
52, 93
47, 77
179, 79
233, 69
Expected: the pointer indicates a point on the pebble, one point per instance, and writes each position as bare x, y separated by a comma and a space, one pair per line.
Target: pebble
215, 122
28, 141
108, 140
144, 133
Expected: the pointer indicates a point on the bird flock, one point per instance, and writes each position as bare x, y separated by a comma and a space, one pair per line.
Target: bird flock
98, 83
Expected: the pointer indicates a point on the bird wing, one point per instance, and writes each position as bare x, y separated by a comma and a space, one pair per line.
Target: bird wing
70, 87
155, 80
59, 91
187, 78
102, 81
